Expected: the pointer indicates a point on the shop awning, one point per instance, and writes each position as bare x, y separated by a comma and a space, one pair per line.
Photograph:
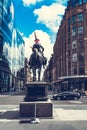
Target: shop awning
72, 77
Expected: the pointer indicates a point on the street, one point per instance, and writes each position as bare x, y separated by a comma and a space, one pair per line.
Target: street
81, 101
67, 115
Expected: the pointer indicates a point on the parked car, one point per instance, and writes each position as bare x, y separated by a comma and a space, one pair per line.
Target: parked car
66, 96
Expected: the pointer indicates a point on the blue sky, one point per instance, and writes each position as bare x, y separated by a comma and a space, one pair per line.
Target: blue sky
42, 17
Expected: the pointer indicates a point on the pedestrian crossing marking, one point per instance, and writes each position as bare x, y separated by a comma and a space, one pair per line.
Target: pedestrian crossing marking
77, 102
8, 120
4, 95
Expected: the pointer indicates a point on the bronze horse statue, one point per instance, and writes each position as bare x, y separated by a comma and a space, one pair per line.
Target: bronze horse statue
36, 61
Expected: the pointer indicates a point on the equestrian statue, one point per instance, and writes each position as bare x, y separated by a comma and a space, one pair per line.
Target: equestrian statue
37, 59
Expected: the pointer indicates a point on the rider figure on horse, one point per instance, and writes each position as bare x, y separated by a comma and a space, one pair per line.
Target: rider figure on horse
37, 59
38, 46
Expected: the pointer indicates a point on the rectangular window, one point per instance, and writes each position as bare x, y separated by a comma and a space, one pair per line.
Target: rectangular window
0, 16
80, 30
1, 37
69, 65
76, 2
74, 70
80, 43
73, 19
74, 57
73, 3
1, 10
73, 31
0, 22
80, 2
80, 17
84, 1
69, 53
74, 44
81, 70
81, 56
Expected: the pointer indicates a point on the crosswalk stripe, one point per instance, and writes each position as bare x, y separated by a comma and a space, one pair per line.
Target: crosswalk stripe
4, 95
77, 102
8, 120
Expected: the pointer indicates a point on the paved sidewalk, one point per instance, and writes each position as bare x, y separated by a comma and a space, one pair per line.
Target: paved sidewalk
70, 115
10, 113
10, 104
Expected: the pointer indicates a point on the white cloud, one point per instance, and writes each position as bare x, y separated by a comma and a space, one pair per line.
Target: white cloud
50, 15
45, 41
30, 2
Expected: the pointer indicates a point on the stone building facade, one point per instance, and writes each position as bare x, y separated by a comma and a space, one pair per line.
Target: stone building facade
70, 49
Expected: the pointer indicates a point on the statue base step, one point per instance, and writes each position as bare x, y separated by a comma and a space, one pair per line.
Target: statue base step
43, 109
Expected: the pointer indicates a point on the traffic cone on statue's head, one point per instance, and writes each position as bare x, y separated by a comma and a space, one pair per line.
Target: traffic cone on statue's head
36, 39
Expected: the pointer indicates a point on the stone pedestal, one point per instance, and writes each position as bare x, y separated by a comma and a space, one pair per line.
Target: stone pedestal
36, 91
36, 102
43, 109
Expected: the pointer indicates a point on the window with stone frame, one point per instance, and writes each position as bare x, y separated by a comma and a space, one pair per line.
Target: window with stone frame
80, 30
80, 43
80, 17
74, 57
81, 70
74, 70
74, 44
73, 31
81, 56
73, 19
